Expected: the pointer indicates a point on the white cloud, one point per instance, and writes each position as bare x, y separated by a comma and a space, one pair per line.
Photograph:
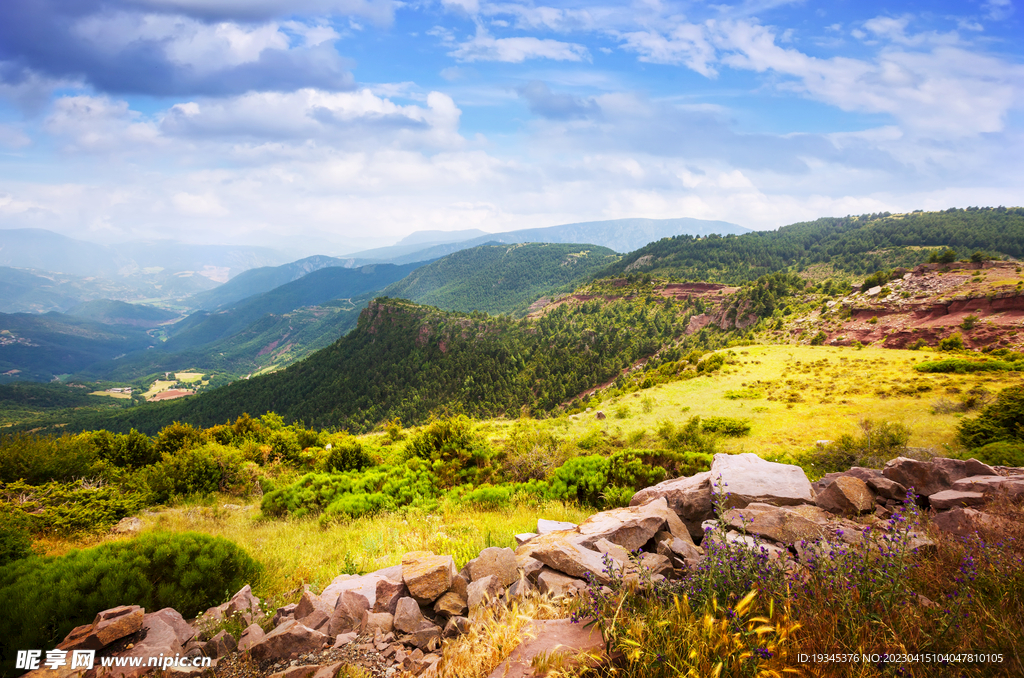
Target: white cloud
484, 47
13, 137
205, 205
100, 124
378, 11
998, 10
686, 44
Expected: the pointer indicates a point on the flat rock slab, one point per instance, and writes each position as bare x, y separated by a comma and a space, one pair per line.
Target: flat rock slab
551, 637
365, 585
689, 498
949, 499
500, 562
747, 478
991, 485
291, 636
561, 551
108, 626
633, 526
964, 522
777, 523
935, 475
545, 526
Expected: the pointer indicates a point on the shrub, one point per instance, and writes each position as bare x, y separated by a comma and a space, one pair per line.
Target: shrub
954, 342
125, 450
878, 443
457, 455
963, 366
44, 598
39, 459
819, 338
1000, 421
744, 394
1001, 453
346, 454
70, 508
176, 437
530, 453
728, 426
581, 479
969, 322
15, 535
711, 363
203, 470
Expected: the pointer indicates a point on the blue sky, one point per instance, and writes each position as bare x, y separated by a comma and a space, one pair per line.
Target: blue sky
332, 125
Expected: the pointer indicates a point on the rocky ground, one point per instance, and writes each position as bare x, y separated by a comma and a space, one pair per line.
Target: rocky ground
393, 622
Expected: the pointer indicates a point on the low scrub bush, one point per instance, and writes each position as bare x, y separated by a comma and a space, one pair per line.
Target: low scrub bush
1000, 453
200, 470
347, 454
64, 509
964, 366
877, 443
1002, 420
728, 426
44, 598
456, 453
40, 459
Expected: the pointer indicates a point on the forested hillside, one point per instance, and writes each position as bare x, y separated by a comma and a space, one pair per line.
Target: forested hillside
849, 245
405, 360
501, 278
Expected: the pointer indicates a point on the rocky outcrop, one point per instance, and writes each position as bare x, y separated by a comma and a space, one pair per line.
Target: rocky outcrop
935, 475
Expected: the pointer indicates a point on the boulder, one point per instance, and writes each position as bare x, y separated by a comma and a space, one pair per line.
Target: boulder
108, 626
545, 526
289, 637
484, 591
747, 478
559, 640
130, 525
387, 594
250, 636
307, 604
377, 621
777, 523
619, 554
948, 499
964, 522
929, 477
689, 498
656, 563
245, 604
348, 613
683, 551
846, 495
426, 638
451, 604
182, 631
1012, 486
408, 617
426, 575
524, 537
748, 541
560, 551
633, 526
365, 585
284, 612
500, 562
875, 480
529, 566
552, 583
161, 638
460, 584
221, 645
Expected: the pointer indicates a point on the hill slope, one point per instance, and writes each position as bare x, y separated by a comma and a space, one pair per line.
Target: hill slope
849, 245
500, 278
259, 280
111, 312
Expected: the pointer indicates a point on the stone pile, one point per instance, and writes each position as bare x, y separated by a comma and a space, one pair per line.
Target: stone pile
401, 614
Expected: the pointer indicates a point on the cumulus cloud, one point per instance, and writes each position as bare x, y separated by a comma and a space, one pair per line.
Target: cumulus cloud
119, 51
99, 124
686, 44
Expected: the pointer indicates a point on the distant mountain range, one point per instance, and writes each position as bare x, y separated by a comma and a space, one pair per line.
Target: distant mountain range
43, 250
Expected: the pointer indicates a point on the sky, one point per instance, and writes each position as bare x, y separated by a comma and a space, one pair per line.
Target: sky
328, 126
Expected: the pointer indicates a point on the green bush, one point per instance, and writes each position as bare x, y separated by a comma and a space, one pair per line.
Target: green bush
728, 426
581, 479
176, 437
198, 470
15, 535
1002, 420
44, 598
39, 459
963, 366
954, 342
126, 450
1002, 453
819, 338
346, 454
68, 508
457, 455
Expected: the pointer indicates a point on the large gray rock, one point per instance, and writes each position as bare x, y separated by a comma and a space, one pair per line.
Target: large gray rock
427, 576
689, 498
561, 551
846, 495
289, 637
348, 613
747, 478
365, 585
529, 566
484, 591
964, 522
777, 523
684, 552
221, 645
878, 483
107, 627
633, 526
163, 631
374, 621
934, 475
500, 562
